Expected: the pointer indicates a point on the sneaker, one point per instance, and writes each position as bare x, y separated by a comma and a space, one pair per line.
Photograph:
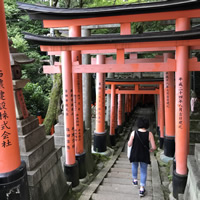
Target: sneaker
135, 182
142, 193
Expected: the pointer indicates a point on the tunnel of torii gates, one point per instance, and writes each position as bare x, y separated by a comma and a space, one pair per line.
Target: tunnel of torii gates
180, 42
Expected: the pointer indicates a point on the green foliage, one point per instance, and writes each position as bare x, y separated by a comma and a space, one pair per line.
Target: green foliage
36, 100
17, 23
19, 43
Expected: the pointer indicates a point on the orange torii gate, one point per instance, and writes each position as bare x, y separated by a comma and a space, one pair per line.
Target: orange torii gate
172, 66
180, 41
137, 90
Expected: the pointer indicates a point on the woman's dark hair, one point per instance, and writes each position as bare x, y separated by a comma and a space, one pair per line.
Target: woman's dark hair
143, 123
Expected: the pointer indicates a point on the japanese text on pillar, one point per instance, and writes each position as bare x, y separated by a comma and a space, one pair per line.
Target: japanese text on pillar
4, 124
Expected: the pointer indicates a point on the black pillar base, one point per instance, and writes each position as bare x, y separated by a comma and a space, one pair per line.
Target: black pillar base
14, 184
81, 165
112, 140
126, 117
116, 132
179, 183
169, 146
174, 164
158, 131
72, 174
100, 142
120, 129
161, 142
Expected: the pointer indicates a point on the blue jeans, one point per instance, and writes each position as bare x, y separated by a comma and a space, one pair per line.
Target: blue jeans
143, 172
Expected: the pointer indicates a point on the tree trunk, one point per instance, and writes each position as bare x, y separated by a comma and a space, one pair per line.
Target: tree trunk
67, 3
53, 103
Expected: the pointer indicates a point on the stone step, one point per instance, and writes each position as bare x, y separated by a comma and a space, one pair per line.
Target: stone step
125, 175
26, 125
118, 196
126, 166
122, 181
125, 159
128, 170
124, 156
124, 170
42, 169
38, 153
123, 162
111, 196
30, 140
23, 122
124, 189
123, 166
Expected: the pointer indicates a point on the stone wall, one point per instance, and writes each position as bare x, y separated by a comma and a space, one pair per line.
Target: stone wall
192, 190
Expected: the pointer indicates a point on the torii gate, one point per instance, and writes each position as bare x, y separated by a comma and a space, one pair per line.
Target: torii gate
180, 40
137, 90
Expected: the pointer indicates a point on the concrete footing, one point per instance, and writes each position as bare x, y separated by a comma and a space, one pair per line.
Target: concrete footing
72, 174
100, 142
161, 143
120, 129
169, 146
112, 140
14, 184
179, 183
81, 165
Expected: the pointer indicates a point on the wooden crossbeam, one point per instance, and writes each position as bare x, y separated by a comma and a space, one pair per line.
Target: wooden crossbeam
52, 69
136, 83
113, 51
110, 60
143, 45
169, 66
122, 18
194, 65
117, 91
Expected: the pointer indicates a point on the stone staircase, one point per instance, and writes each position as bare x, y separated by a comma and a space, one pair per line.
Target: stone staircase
118, 183
115, 182
45, 176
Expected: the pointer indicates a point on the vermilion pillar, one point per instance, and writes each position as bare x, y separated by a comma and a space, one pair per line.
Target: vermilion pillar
169, 95
71, 165
181, 112
12, 170
123, 109
119, 116
132, 103
158, 115
126, 107
112, 115
100, 133
116, 102
161, 114
75, 31
129, 104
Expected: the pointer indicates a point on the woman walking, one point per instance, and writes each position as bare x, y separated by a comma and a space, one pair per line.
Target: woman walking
140, 152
